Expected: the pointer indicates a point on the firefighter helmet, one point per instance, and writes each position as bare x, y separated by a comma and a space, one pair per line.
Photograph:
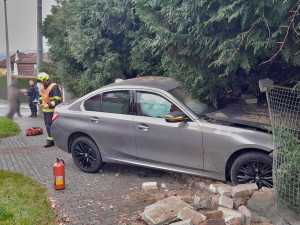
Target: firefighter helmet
42, 76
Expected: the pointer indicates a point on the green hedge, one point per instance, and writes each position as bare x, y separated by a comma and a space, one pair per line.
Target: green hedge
23, 83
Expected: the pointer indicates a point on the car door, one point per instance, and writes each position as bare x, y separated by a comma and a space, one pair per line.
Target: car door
111, 124
158, 141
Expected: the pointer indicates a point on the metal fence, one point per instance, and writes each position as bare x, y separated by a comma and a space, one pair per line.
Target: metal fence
284, 107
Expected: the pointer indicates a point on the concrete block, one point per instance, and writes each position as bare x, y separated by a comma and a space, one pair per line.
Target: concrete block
164, 211
247, 214
225, 190
231, 212
226, 202
198, 218
185, 222
150, 186
214, 187
215, 201
243, 190
186, 213
237, 202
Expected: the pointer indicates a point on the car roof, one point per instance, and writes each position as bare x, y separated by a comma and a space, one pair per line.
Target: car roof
164, 83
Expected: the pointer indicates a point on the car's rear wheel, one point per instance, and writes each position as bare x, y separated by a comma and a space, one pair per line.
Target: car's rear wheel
252, 167
86, 154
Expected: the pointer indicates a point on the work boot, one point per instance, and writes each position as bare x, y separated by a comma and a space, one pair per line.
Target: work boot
34, 116
49, 144
31, 115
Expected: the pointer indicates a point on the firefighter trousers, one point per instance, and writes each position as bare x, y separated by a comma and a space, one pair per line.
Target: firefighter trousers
48, 123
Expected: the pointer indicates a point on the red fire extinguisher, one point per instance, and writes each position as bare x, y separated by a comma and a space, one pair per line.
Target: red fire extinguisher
59, 174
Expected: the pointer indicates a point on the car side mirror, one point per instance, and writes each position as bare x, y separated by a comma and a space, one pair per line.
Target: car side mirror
175, 117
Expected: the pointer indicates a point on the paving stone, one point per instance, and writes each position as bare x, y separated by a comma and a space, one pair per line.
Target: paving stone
226, 202
243, 190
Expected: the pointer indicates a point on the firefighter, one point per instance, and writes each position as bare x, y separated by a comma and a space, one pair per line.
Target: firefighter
51, 97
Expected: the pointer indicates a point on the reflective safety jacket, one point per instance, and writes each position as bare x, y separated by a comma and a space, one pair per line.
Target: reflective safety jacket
50, 95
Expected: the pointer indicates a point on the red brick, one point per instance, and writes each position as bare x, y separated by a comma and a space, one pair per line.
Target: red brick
236, 221
216, 214
213, 222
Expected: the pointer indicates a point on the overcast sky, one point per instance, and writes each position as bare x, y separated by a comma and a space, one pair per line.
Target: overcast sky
22, 24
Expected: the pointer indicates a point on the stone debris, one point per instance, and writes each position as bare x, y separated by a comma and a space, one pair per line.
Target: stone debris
236, 221
163, 185
205, 204
215, 201
198, 218
163, 211
225, 190
237, 202
213, 222
200, 209
186, 213
214, 187
243, 190
185, 222
186, 198
231, 212
226, 202
228, 219
216, 214
150, 186
247, 214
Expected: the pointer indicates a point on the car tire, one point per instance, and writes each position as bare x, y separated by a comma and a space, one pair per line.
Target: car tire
252, 167
86, 154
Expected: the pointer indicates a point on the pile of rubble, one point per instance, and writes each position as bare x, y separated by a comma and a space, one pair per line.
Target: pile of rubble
223, 204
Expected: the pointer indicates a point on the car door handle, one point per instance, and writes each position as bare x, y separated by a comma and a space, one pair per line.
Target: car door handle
143, 127
94, 119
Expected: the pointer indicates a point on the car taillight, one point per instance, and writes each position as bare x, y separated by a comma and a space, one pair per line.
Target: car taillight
55, 117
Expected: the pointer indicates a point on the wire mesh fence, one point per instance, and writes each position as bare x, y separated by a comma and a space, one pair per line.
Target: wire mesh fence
284, 108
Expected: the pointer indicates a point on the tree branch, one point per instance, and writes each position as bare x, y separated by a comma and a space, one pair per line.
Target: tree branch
246, 33
284, 40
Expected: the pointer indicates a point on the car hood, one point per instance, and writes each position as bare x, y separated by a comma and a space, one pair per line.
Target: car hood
256, 116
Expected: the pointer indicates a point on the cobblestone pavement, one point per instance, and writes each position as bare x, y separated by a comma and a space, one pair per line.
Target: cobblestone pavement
112, 196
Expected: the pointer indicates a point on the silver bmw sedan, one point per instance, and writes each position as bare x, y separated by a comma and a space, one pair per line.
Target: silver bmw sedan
152, 122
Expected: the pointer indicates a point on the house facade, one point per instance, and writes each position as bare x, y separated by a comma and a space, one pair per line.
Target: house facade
23, 64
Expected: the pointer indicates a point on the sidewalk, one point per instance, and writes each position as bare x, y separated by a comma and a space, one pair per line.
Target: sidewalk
112, 196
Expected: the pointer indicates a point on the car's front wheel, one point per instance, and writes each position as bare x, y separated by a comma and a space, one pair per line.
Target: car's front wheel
252, 167
86, 154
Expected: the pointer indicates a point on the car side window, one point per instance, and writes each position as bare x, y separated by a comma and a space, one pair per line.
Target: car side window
93, 103
153, 105
115, 102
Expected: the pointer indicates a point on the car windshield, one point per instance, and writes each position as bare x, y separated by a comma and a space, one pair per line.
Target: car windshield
195, 105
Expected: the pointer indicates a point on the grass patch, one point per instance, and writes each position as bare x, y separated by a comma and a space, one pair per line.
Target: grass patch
23, 201
8, 127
